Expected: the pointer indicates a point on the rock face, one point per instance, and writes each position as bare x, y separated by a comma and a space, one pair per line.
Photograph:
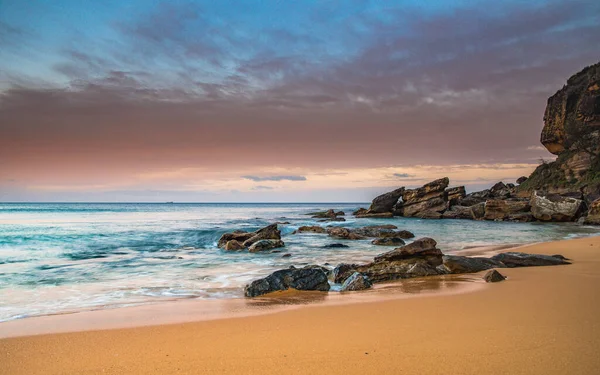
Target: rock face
553, 207
385, 202
307, 278
264, 245
573, 110
593, 216
455, 195
496, 209
240, 240
493, 276
428, 198
357, 281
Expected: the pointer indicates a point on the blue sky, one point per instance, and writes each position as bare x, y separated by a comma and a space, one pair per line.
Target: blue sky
229, 89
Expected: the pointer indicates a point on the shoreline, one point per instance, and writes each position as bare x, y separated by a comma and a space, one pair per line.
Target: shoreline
188, 310
540, 320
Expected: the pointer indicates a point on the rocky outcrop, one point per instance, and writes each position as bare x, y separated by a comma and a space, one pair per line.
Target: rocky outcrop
593, 216
385, 202
239, 240
428, 198
493, 276
330, 214
357, 281
344, 233
496, 209
307, 278
455, 195
264, 245
553, 207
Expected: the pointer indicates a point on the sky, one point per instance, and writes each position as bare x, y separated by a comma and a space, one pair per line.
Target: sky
277, 101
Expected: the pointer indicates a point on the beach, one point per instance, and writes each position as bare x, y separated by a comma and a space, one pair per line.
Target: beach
541, 320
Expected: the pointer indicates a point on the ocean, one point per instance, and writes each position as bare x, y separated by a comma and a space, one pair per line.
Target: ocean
67, 257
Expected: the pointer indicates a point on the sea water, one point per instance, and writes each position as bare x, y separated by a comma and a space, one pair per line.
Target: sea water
66, 257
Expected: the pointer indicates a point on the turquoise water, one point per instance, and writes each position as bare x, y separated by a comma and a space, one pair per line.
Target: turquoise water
69, 257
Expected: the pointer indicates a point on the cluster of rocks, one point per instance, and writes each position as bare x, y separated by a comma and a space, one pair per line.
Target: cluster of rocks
264, 239
329, 215
502, 202
417, 259
385, 235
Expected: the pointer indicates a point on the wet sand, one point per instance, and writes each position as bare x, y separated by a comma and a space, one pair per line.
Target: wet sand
543, 320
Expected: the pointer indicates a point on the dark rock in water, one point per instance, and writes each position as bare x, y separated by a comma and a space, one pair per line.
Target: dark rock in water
329, 214
497, 209
493, 276
516, 259
422, 247
238, 235
360, 211
335, 246
428, 214
382, 215
357, 281
375, 230
286, 255
385, 202
553, 207
270, 232
344, 233
264, 245
521, 179
388, 241
307, 278
275, 251
462, 264
234, 245
310, 229
332, 219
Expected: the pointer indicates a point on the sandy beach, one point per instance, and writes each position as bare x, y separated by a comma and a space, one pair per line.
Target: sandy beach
542, 320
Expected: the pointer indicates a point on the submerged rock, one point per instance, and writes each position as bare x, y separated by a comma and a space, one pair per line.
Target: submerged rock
310, 229
307, 278
493, 276
517, 259
335, 246
357, 281
264, 245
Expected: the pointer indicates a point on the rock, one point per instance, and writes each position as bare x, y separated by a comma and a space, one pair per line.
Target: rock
329, 214
343, 271
383, 215
522, 217
428, 214
552, 207
332, 219
335, 246
429, 197
497, 209
310, 229
478, 211
307, 278
516, 259
493, 276
475, 198
500, 191
388, 241
462, 264
573, 110
270, 232
357, 281
263, 245
459, 212
287, 255
234, 245
422, 247
375, 230
360, 211
275, 252
238, 235
385, 202
344, 233
593, 216
521, 179
455, 195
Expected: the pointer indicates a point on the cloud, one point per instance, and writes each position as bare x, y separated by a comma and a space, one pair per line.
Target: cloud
536, 148
403, 175
275, 178
261, 187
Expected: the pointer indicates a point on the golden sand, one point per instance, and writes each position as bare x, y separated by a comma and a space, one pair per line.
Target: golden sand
542, 320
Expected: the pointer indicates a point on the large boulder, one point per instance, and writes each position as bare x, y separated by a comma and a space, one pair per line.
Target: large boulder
553, 207
357, 281
455, 195
238, 235
573, 111
264, 245
422, 247
233, 245
498, 209
344, 233
429, 197
270, 232
593, 216
385, 202
307, 278
330, 214
493, 276
517, 259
